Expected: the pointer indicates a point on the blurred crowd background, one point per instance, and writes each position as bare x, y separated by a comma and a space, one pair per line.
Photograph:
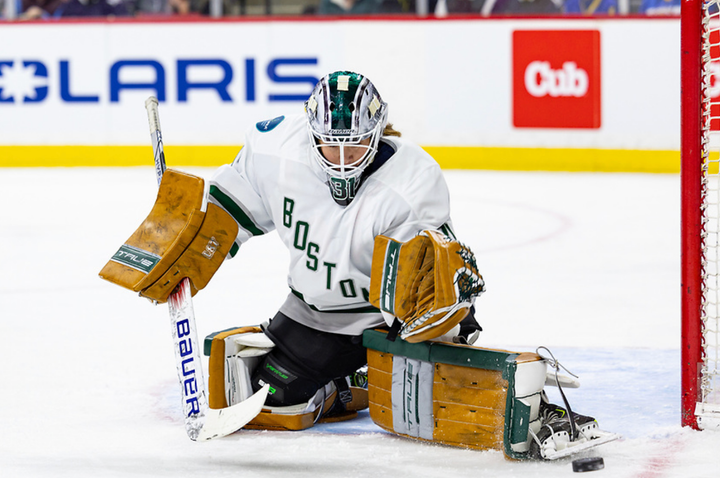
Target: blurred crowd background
24, 10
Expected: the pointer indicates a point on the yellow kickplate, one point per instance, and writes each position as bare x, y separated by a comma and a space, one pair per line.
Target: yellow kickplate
113, 156
449, 157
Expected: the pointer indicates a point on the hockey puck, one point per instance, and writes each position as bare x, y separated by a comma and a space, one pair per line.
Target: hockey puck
592, 463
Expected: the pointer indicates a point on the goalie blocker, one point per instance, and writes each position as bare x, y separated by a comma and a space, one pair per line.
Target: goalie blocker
176, 240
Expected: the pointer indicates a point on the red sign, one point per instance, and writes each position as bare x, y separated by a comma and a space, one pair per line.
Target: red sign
556, 79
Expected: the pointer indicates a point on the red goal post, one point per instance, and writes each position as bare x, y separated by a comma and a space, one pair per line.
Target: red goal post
700, 182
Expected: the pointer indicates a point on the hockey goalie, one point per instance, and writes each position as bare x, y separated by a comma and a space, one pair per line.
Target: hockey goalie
380, 311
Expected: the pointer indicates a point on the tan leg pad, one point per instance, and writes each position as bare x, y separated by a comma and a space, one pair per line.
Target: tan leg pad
453, 394
225, 347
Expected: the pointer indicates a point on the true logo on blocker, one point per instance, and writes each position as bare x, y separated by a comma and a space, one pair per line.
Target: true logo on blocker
556, 79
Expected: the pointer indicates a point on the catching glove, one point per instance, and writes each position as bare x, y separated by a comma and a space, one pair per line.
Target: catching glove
428, 283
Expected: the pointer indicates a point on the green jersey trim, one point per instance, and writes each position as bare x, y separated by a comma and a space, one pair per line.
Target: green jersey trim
235, 211
359, 310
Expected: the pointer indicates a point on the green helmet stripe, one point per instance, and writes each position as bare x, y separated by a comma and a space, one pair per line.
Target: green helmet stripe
344, 88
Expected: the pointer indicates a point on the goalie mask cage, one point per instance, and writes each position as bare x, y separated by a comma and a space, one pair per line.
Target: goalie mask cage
700, 179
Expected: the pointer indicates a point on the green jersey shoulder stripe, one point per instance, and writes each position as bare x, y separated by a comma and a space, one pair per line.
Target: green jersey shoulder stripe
235, 211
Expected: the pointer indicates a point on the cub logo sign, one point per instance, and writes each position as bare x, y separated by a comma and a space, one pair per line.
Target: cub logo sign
556, 79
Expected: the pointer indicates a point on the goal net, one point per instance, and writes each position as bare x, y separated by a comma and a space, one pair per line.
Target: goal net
700, 178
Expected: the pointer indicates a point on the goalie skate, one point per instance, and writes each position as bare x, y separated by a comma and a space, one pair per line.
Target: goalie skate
555, 438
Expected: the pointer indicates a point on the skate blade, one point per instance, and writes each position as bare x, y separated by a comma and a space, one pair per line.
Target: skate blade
578, 446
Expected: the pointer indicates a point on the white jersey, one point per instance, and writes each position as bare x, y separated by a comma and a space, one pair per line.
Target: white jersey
275, 184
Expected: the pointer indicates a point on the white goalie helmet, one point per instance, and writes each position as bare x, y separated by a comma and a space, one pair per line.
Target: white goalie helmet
346, 112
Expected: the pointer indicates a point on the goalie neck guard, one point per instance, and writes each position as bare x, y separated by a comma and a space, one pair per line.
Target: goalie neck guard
346, 117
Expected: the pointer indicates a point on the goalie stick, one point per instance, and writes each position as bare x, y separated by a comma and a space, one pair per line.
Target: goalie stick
201, 422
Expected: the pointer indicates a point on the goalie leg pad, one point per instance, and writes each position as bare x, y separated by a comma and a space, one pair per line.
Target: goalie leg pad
234, 354
471, 397
236, 357
454, 394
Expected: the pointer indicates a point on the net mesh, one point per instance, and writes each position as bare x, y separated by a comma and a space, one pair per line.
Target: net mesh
710, 368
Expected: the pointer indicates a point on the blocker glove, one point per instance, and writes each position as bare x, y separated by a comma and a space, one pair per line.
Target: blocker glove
176, 240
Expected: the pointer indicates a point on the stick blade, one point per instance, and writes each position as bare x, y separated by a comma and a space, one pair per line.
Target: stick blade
224, 421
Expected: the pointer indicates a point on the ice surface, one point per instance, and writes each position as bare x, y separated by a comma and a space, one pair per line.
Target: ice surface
585, 264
